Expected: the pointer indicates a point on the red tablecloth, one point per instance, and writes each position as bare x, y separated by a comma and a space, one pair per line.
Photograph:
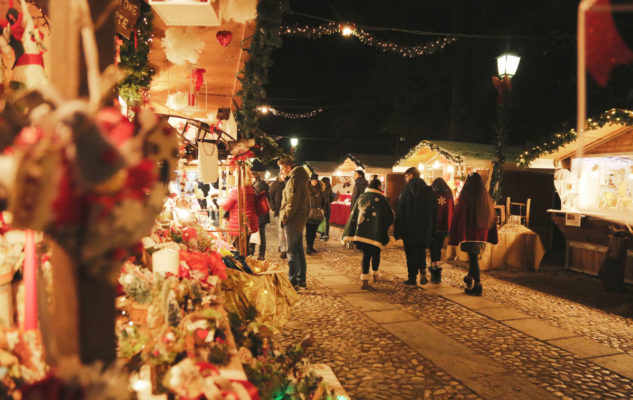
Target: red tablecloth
340, 213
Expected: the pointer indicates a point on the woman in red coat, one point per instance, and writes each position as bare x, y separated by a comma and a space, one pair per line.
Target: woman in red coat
474, 224
444, 199
230, 205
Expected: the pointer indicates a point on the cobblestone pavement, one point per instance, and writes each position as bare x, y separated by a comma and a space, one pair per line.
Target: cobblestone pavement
355, 347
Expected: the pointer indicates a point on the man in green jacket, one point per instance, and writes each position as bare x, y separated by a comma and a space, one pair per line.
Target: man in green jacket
295, 205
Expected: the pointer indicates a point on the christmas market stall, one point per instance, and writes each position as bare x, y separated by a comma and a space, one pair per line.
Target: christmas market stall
342, 178
594, 180
112, 285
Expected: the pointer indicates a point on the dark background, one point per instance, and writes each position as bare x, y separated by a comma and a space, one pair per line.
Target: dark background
371, 99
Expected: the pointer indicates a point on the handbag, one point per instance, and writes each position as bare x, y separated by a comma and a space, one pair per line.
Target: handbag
262, 207
316, 215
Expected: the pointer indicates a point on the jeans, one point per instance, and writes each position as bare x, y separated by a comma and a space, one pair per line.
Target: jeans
436, 245
371, 254
282, 239
327, 221
473, 249
311, 231
416, 258
262, 245
296, 256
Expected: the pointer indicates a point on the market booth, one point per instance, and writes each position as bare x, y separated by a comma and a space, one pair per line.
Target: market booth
110, 253
594, 180
520, 247
342, 178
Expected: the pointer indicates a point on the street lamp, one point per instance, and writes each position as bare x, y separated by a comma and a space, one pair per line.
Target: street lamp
507, 65
294, 142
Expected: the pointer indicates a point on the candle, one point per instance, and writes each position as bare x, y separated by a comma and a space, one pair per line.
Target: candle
165, 261
30, 281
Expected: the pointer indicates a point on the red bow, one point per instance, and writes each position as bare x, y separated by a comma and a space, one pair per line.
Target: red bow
197, 75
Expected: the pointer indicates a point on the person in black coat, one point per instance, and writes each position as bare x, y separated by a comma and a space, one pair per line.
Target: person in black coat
416, 217
360, 184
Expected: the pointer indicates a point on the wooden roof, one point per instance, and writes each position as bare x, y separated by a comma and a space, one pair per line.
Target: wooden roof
221, 64
466, 153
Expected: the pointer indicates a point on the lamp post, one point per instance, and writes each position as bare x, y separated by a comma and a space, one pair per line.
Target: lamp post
507, 65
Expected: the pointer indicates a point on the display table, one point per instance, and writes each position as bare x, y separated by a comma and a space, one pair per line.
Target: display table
519, 249
340, 213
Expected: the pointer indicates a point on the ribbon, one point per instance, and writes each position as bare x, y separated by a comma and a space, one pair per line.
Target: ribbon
197, 75
30, 59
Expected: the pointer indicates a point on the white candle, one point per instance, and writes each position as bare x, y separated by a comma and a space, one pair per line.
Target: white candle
166, 261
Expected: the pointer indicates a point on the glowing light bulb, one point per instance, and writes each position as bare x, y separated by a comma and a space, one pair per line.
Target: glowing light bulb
267, 175
264, 109
347, 30
436, 164
420, 167
140, 385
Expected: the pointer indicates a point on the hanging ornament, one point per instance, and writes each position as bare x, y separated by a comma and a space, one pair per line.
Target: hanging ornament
183, 45
224, 38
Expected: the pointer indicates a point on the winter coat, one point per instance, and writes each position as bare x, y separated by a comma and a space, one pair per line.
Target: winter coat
230, 205
416, 215
370, 220
317, 199
295, 203
359, 188
275, 195
462, 231
444, 211
329, 196
261, 186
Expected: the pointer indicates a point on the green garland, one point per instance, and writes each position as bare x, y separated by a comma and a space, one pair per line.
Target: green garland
554, 142
255, 73
433, 147
135, 60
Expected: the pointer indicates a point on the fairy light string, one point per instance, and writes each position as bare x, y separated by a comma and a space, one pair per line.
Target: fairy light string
278, 113
366, 38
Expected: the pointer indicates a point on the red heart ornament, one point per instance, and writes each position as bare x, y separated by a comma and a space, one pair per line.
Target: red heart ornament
224, 37
202, 333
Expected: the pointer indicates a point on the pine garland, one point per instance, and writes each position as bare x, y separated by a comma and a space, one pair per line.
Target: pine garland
554, 142
135, 60
255, 73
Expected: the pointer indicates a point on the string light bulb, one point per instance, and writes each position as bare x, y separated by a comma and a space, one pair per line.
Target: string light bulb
347, 30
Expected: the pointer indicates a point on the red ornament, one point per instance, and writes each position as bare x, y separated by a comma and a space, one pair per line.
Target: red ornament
224, 37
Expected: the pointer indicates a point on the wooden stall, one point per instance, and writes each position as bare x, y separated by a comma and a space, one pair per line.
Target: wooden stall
594, 180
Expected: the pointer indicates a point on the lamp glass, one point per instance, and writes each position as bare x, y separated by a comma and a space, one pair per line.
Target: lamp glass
507, 64
294, 142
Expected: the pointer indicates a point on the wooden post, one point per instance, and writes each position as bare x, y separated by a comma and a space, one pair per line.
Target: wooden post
240, 210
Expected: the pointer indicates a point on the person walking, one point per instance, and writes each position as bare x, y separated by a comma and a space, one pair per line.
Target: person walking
316, 213
415, 223
293, 213
367, 226
261, 194
275, 195
473, 225
329, 196
360, 184
231, 206
444, 199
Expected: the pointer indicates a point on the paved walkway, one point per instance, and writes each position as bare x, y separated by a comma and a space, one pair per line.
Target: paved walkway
396, 342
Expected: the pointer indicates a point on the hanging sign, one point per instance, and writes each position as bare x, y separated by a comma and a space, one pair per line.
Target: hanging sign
126, 15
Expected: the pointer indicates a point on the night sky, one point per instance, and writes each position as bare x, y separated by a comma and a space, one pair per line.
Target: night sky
371, 99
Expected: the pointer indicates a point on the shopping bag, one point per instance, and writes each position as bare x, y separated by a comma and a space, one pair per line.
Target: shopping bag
255, 238
321, 228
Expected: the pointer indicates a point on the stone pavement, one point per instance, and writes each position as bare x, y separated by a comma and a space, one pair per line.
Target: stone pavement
396, 342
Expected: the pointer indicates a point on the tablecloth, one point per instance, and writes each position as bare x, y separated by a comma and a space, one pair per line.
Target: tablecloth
519, 248
340, 213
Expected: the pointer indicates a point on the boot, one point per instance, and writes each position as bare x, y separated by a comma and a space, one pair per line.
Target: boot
474, 291
436, 273
468, 280
375, 276
423, 279
283, 255
364, 279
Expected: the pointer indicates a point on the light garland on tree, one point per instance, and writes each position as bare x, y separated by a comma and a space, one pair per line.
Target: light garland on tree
332, 28
277, 113
553, 143
432, 147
